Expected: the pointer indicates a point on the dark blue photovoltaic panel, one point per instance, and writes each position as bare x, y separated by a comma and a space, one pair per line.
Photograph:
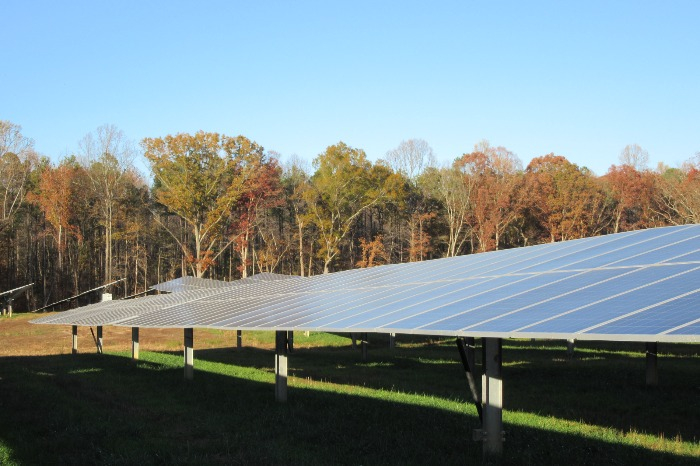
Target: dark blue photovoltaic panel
549, 295
600, 312
654, 320
690, 330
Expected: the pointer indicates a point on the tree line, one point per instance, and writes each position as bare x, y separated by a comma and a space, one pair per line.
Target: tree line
222, 207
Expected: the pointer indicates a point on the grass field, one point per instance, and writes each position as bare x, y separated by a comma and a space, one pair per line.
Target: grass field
403, 406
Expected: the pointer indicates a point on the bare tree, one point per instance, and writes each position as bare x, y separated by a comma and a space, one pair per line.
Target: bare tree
634, 156
108, 158
411, 158
17, 159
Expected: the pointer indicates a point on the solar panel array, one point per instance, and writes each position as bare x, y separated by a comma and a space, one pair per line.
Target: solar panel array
642, 285
178, 285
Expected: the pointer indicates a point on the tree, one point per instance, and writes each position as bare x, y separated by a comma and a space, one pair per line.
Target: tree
678, 196
411, 158
296, 182
200, 178
56, 199
415, 210
634, 156
632, 192
261, 191
455, 192
107, 157
372, 253
341, 189
17, 159
562, 199
494, 173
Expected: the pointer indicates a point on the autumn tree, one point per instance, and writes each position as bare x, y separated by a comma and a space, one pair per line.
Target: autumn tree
200, 178
56, 199
372, 253
494, 173
631, 192
342, 188
678, 194
261, 191
562, 199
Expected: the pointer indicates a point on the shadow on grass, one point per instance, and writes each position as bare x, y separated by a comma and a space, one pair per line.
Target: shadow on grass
609, 390
104, 409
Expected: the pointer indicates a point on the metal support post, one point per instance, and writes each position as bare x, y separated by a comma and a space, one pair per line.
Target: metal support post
290, 341
134, 343
99, 339
281, 366
239, 339
189, 353
392, 342
9, 308
492, 399
652, 366
570, 345
365, 342
74, 332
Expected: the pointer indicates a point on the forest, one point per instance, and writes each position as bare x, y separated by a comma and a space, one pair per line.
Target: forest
223, 207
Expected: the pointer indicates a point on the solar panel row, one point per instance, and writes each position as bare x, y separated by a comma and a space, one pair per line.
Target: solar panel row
640, 285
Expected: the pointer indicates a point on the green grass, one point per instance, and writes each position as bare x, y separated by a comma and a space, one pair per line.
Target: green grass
406, 406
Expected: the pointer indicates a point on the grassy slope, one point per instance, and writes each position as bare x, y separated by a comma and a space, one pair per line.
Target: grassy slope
407, 406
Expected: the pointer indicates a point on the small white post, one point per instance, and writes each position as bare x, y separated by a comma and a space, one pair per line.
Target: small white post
99, 339
74, 332
189, 353
281, 366
492, 399
134, 343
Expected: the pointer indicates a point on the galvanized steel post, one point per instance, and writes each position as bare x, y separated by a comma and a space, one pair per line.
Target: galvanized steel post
492, 399
189, 353
134, 343
281, 365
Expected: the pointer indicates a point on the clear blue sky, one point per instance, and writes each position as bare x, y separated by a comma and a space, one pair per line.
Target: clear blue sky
580, 79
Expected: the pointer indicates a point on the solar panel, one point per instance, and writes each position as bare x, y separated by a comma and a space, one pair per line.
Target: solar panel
642, 285
178, 285
11, 294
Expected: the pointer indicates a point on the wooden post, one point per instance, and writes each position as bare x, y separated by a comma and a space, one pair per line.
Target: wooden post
392, 343
9, 308
134, 343
74, 331
652, 364
492, 399
239, 339
99, 339
189, 353
290, 341
281, 366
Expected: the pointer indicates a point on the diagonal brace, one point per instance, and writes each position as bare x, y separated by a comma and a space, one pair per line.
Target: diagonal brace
470, 375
